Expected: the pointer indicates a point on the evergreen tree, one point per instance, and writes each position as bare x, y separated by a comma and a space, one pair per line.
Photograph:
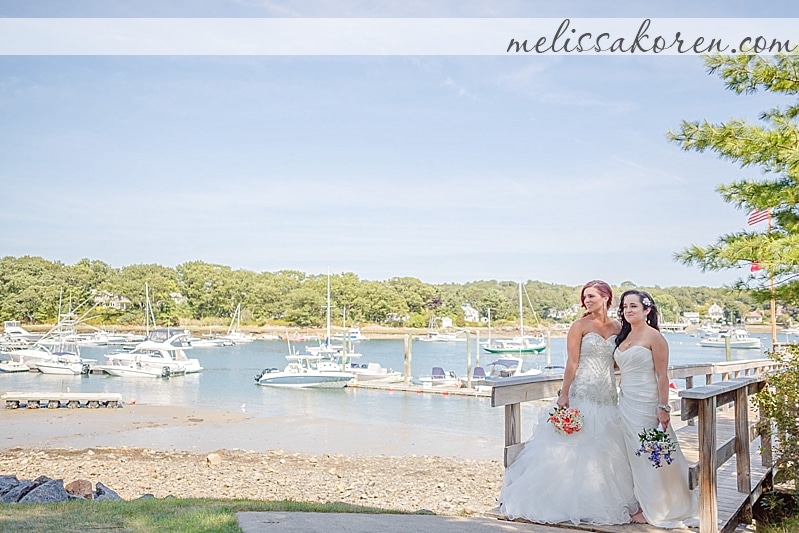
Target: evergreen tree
772, 147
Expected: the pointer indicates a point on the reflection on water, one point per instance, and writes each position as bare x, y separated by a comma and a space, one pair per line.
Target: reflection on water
227, 384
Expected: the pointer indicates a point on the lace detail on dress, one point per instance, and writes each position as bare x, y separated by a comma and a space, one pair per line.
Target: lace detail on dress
595, 380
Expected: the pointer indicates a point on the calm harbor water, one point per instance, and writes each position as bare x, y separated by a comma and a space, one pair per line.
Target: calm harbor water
227, 383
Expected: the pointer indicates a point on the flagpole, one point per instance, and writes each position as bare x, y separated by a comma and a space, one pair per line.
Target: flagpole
772, 303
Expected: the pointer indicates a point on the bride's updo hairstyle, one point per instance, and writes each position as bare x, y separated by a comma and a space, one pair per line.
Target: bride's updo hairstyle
603, 288
651, 317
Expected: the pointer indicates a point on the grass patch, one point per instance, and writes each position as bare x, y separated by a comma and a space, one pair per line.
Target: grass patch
152, 515
777, 512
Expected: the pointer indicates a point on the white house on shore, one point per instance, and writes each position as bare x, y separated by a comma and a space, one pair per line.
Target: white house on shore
715, 312
470, 314
692, 317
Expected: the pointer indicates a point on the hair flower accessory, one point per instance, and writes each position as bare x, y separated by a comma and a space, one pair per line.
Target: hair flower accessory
646, 301
566, 420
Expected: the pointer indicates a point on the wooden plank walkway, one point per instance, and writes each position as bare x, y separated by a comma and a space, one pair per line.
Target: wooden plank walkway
715, 427
730, 501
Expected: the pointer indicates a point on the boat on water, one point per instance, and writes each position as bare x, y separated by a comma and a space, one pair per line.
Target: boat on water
163, 354
60, 341
326, 348
737, 338
438, 377
234, 333
508, 366
65, 364
31, 355
375, 372
209, 342
525, 344
346, 361
302, 371
351, 334
15, 332
706, 329
521, 344
13, 366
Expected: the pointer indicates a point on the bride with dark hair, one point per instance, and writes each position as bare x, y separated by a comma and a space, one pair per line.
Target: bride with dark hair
584, 476
642, 355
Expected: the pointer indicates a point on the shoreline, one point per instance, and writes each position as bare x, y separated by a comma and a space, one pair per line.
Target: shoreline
202, 430
204, 453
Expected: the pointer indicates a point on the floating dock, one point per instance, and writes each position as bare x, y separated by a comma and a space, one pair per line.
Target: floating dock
54, 400
411, 387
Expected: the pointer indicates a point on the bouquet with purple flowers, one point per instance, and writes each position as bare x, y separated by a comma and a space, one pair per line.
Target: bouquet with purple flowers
657, 445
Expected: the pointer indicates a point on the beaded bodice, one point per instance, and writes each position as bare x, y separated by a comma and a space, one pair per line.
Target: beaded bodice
595, 380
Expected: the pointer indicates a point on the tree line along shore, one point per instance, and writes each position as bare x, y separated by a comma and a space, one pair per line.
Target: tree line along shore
200, 295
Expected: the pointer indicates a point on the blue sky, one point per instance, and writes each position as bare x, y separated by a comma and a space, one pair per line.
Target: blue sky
444, 168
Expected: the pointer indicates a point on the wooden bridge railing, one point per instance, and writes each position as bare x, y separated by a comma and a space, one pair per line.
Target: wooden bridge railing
703, 402
739, 380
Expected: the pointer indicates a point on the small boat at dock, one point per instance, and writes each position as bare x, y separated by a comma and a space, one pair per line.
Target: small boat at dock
13, 366
737, 338
302, 371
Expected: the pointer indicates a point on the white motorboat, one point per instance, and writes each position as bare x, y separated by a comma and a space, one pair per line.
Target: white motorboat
64, 364
508, 366
737, 338
30, 356
351, 334
139, 369
163, 353
61, 340
374, 372
14, 331
209, 342
13, 366
303, 371
439, 378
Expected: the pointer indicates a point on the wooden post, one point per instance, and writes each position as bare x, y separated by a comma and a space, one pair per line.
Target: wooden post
727, 347
742, 440
549, 349
513, 430
689, 384
708, 491
468, 360
742, 451
407, 359
477, 349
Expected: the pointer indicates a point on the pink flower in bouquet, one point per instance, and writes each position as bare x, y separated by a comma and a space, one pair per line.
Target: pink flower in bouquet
566, 420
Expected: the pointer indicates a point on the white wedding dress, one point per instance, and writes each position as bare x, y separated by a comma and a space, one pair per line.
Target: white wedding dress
663, 492
584, 477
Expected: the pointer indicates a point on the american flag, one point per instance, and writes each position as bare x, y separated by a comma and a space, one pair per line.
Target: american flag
758, 216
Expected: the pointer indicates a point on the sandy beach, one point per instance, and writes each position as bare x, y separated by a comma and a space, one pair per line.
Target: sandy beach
185, 452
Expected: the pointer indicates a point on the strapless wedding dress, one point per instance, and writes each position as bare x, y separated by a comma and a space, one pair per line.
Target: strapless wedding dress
584, 477
661, 492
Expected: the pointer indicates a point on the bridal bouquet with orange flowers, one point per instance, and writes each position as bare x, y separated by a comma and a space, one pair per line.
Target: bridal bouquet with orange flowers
566, 420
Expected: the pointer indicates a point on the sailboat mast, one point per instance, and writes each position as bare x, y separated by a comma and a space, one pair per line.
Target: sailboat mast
146, 309
521, 316
327, 338
489, 326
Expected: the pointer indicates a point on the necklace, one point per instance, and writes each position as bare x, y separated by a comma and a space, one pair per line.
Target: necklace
628, 342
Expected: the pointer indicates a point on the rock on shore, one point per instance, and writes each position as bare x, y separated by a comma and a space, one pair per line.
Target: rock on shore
443, 485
